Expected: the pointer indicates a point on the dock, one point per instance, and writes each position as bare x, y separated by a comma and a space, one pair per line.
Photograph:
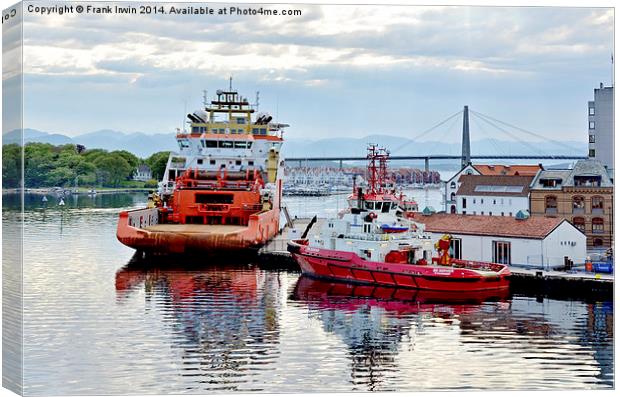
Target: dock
570, 284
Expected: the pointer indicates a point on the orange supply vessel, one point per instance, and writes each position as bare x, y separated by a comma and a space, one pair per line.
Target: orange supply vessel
221, 192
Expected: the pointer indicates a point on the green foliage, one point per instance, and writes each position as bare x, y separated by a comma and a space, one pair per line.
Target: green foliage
157, 163
46, 165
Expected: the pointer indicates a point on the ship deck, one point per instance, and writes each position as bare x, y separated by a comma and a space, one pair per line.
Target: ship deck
189, 229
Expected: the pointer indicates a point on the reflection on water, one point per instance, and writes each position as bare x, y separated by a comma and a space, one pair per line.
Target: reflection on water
98, 322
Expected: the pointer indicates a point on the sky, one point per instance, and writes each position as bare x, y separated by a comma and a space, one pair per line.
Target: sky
333, 71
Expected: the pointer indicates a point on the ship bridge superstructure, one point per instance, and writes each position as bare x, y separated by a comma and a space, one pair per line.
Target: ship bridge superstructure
228, 134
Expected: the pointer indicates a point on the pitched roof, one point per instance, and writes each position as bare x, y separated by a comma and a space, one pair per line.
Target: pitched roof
494, 185
534, 227
582, 168
499, 169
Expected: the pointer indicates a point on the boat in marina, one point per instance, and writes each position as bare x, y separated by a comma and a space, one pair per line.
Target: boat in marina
221, 192
374, 241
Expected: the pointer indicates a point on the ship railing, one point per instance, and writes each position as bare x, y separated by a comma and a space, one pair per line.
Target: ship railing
143, 217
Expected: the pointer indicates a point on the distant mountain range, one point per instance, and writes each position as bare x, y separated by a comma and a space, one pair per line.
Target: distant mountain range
143, 145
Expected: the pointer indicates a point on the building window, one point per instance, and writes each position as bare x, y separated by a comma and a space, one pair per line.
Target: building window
494, 202
592, 153
464, 212
481, 212
453, 209
598, 225
502, 214
510, 214
490, 213
591, 111
592, 138
591, 125
474, 201
464, 203
452, 196
481, 201
597, 242
597, 205
551, 205
501, 252
580, 223
474, 212
453, 185
455, 248
579, 204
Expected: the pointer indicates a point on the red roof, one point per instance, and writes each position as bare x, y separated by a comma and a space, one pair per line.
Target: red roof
534, 227
498, 169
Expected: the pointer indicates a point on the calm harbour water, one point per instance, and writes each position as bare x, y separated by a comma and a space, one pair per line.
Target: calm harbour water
95, 325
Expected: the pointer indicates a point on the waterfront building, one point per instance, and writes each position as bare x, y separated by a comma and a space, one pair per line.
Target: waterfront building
533, 241
582, 195
601, 127
142, 173
494, 195
452, 185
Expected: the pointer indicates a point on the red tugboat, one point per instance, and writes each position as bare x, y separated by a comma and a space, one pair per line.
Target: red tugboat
374, 242
221, 192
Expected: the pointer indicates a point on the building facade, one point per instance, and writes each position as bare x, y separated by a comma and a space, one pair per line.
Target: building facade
142, 173
494, 195
583, 196
539, 242
453, 184
601, 127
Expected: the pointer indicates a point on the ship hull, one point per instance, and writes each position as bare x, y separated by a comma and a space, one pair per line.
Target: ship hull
139, 229
349, 267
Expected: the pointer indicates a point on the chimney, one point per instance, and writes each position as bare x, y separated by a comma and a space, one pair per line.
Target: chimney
601, 86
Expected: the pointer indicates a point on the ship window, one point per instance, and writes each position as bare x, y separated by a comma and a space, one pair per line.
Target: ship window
212, 162
369, 205
195, 129
378, 205
386, 206
214, 198
249, 145
240, 145
199, 161
254, 130
394, 205
240, 120
214, 130
238, 162
226, 144
250, 162
263, 131
211, 144
222, 130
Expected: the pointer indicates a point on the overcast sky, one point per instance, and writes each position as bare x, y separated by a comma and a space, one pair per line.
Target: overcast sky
333, 71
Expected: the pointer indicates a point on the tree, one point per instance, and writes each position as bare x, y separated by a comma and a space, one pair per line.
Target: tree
157, 163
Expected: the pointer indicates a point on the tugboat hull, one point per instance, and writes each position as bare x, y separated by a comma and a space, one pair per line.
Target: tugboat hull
349, 267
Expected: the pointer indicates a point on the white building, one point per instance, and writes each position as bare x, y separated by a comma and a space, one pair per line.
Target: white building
601, 127
536, 241
452, 185
496, 195
142, 173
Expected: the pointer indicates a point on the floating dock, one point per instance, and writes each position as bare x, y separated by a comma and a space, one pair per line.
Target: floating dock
532, 281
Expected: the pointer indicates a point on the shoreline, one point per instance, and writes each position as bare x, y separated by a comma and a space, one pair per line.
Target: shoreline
80, 191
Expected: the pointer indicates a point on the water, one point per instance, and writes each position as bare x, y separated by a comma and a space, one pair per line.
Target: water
94, 325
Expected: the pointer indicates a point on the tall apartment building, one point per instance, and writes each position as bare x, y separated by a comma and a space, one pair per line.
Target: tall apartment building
601, 127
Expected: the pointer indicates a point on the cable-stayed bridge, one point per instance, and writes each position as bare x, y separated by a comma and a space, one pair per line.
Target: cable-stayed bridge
466, 156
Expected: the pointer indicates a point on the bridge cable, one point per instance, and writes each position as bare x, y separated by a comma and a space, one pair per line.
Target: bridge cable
529, 132
493, 141
426, 132
530, 146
